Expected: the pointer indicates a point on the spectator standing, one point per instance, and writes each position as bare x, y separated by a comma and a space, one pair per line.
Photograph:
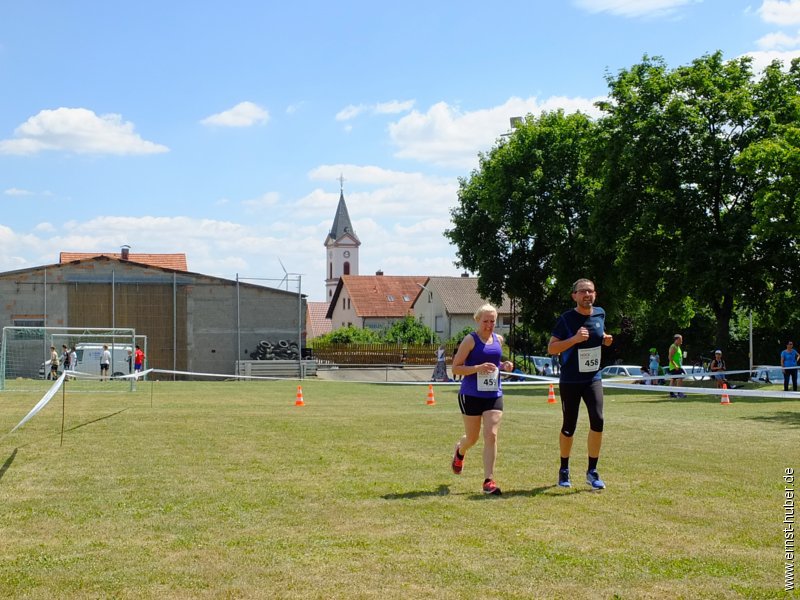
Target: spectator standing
138, 359
53, 363
654, 365
718, 364
66, 363
676, 365
789, 366
105, 363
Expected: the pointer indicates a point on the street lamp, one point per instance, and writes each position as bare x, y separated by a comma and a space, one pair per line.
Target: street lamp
433, 333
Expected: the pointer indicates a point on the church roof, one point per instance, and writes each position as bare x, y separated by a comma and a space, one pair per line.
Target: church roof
341, 223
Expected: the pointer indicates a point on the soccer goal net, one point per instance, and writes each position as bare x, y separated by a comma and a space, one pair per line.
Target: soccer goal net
25, 352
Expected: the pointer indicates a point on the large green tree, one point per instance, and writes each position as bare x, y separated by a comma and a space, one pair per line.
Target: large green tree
521, 221
678, 216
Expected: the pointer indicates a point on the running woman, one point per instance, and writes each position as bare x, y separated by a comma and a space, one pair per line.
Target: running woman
478, 361
578, 336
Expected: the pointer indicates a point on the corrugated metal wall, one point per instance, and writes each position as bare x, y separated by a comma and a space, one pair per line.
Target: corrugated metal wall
148, 308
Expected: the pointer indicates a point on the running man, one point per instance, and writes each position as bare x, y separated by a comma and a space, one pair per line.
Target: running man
578, 336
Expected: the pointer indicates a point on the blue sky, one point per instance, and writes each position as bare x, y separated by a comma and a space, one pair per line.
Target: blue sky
220, 129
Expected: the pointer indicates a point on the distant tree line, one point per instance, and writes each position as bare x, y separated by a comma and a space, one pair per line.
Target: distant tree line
681, 202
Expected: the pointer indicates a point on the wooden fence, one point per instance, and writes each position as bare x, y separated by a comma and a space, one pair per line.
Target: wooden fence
381, 354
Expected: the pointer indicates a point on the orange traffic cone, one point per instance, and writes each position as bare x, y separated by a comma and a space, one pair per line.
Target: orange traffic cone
299, 401
551, 395
431, 400
725, 398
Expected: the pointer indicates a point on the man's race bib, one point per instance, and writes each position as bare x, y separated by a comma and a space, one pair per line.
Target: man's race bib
490, 382
589, 359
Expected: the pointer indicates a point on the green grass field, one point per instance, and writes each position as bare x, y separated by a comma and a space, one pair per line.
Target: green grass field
229, 490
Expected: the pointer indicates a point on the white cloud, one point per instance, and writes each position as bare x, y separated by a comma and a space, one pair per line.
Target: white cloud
382, 108
244, 114
780, 12
449, 137
633, 8
350, 112
763, 59
17, 192
394, 107
777, 41
77, 130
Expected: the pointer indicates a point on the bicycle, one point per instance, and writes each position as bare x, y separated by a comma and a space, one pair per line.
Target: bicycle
701, 368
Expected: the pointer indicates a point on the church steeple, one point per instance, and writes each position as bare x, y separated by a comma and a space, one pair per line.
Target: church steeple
341, 222
341, 246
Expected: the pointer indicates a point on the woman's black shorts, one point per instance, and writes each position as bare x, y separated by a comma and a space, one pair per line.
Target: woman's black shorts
472, 406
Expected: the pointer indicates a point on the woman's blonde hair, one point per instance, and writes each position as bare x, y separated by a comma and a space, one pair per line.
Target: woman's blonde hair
486, 308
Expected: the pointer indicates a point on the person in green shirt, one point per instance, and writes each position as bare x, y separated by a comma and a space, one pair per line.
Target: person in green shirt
676, 365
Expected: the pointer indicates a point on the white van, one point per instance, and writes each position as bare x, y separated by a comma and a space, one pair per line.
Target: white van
89, 355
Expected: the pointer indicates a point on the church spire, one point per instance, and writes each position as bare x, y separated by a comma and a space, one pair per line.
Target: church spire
341, 246
341, 222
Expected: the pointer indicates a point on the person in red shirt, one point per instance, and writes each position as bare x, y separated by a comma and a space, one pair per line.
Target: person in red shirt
138, 359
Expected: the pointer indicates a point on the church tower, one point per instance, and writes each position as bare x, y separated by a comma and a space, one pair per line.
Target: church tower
341, 247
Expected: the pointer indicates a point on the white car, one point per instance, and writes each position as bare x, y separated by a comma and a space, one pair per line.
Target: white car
629, 371
539, 363
767, 374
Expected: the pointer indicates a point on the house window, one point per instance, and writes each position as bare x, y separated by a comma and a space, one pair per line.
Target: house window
439, 324
390, 298
406, 298
347, 268
330, 270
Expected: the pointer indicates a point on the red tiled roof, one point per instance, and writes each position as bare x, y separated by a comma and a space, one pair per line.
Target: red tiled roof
383, 295
176, 262
316, 323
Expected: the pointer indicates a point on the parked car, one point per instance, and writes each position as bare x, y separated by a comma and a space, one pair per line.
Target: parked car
622, 371
539, 363
767, 374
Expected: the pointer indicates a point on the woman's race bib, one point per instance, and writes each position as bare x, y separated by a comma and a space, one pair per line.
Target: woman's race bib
490, 382
589, 359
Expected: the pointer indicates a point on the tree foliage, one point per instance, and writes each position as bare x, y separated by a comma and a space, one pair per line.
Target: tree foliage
521, 218
681, 201
349, 335
409, 331
405, 331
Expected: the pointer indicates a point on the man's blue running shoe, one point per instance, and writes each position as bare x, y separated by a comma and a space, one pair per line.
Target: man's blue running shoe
593, 479
563, 478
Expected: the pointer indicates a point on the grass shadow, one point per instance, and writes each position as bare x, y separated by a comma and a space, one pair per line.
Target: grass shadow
785, 417
539, 491
8, 462
442, 490
114, 414
529, 493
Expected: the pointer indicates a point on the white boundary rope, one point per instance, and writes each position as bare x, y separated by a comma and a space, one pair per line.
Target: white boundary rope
639, 384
